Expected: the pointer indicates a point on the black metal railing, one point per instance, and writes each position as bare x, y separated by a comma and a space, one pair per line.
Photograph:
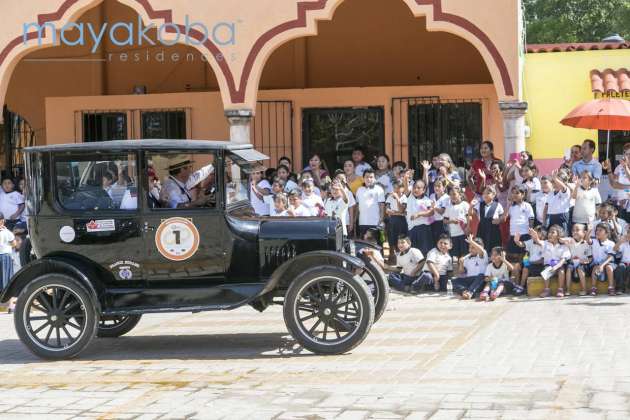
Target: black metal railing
272, 129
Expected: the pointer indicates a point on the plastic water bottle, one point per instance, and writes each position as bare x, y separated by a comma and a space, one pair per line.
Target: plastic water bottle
526, 260
449, 288
494, 283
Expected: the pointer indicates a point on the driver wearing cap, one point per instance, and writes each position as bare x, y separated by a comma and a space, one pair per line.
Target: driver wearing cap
178, 187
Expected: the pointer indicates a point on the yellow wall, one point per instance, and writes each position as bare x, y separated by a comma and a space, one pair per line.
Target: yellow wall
555, 83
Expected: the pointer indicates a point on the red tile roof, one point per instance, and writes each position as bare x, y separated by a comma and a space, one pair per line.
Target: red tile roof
586, 46
610, 81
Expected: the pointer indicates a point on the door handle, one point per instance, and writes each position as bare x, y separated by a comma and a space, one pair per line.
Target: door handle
148, 228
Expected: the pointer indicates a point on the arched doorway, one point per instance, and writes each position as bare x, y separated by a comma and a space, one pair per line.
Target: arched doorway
82, 93
375, 76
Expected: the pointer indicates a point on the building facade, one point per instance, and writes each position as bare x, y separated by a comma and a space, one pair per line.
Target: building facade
558, 78
411, 78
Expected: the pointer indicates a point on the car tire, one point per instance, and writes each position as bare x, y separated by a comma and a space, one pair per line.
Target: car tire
51, 307
117, 325
377, 282
348, 309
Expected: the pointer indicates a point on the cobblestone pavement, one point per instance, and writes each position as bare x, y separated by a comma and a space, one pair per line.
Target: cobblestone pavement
429, 357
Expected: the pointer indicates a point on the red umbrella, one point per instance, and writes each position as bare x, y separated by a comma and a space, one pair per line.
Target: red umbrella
601, 114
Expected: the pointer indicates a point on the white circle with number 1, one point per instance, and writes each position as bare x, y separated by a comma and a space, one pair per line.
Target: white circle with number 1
177, 239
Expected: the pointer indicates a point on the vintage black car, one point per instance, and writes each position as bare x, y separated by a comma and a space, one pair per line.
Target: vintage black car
124, 228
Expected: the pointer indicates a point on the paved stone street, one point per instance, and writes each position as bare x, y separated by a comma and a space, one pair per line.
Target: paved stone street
429, 357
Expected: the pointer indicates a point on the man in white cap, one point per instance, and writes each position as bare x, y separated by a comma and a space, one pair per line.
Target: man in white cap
178, 187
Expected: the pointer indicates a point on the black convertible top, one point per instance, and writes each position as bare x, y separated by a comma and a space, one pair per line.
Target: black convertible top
153, 144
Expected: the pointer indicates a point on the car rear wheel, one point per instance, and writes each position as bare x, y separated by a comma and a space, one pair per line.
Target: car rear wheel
116, 325
376, 281
55, 317
328, 310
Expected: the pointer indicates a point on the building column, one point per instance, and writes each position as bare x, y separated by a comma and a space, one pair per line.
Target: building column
239, 120
513, 126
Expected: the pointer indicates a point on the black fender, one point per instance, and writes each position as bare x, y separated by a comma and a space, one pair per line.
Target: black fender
73, 268
283, 275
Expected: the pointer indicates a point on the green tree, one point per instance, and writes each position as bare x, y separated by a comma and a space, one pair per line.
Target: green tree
556, 21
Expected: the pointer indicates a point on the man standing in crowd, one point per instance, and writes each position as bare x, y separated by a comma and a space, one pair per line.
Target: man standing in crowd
588, 163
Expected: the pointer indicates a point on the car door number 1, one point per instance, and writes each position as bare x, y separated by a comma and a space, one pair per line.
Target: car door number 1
177, 239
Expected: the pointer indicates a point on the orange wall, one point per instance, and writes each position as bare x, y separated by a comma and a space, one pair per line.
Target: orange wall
208, 121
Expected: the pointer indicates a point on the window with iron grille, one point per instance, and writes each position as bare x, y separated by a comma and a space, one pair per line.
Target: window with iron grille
104, 126
445, 127
164, 125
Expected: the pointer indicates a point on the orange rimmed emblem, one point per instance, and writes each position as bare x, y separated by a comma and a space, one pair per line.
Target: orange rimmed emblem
177, 239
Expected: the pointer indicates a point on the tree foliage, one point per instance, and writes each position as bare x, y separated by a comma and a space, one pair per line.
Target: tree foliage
557, 21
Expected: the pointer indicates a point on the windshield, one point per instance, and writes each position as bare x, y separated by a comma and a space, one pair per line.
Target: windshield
236, 181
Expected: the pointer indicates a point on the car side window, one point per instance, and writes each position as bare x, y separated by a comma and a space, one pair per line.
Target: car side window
108, 182
181, 181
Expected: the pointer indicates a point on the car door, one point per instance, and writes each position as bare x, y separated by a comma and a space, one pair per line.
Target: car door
183, 244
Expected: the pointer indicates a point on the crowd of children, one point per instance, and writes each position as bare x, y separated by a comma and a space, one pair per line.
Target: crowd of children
509, 223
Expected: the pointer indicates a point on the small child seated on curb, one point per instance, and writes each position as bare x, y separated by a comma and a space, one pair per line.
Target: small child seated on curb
497, 275
581, 255
434, 273
472, 269
410, 260
603, 259
555, 256
532, 264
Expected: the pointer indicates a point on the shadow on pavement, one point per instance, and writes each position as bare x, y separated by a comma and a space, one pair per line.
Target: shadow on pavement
182, 347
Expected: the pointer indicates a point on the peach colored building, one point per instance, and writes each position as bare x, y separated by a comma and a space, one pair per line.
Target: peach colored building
410, 78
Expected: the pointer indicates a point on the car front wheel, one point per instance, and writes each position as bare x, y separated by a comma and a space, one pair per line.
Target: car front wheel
116, 325
328, 310
55, 317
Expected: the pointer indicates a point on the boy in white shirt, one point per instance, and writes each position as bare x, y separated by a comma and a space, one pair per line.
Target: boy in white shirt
472, 269
7, 243
456, 217
603, 259
396, 209
435, 270
259, 188
540, 201
410, 261
371, 203
581, 255
559, 201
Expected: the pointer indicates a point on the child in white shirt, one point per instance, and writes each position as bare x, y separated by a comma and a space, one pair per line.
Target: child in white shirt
336, 206
396, 209
587, 199
497, 275
280, 206
581, 255
420, 210
555, 257
456, 217
532, 264
435, 270
310, 200
472, 269
409, 260
296, 209
371, 202
603, 259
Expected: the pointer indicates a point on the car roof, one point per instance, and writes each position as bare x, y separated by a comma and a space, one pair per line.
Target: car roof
152, 144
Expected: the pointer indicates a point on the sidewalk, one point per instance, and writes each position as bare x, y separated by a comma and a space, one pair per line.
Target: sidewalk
429, 357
